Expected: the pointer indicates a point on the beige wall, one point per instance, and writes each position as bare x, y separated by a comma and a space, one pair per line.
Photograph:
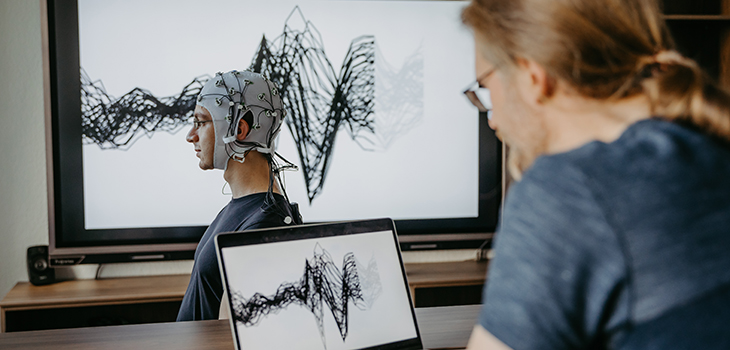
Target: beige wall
23, 202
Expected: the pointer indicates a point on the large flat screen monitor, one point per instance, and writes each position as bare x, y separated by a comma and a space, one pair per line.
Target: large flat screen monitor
384, 130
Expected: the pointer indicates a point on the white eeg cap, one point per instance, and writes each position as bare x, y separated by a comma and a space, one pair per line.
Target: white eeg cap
228, 97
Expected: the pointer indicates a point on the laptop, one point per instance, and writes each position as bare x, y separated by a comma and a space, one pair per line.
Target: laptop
324, 286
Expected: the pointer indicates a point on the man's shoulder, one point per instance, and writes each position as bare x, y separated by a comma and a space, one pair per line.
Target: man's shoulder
268, 215
651, 154
647, 147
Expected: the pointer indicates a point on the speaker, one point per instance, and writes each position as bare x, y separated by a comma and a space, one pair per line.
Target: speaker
40, 271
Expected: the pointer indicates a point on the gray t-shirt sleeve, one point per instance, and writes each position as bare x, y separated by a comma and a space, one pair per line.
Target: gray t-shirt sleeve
557, 277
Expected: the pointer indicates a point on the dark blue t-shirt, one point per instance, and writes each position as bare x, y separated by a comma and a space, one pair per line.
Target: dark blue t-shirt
622, 245
202, 299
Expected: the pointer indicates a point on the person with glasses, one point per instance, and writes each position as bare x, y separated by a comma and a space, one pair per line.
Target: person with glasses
236, 121
615, 234
479, 95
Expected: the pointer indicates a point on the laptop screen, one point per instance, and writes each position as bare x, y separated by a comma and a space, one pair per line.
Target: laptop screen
329, 286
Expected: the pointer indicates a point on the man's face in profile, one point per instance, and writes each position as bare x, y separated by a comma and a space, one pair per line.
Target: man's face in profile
518, 126
202, 136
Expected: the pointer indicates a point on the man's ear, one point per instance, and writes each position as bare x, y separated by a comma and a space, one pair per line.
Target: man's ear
243, 130
535, 85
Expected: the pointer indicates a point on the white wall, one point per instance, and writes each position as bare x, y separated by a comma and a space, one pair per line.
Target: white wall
23, 202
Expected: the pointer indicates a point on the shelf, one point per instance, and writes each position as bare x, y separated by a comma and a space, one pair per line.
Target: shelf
154, 299
710, 18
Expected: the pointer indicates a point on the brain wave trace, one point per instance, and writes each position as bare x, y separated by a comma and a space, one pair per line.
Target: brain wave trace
319, 100
116, 123
322, 284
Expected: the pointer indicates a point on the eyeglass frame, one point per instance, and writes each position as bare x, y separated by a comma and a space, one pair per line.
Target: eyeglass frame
198, 123
471, 93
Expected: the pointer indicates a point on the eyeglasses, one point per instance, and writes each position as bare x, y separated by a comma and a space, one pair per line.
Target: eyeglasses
479, 96
198, 123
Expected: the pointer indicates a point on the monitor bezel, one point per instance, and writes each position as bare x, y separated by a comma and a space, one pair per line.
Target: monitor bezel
310, 231
68, 237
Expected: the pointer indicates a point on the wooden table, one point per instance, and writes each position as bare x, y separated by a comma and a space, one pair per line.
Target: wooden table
157, 298
441, 328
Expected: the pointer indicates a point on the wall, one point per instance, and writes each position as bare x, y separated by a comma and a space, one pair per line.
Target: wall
23, 203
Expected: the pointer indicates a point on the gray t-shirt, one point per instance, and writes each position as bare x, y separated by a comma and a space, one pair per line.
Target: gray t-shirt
621, 245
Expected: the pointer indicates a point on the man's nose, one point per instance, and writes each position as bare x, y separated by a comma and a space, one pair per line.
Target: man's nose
190, 137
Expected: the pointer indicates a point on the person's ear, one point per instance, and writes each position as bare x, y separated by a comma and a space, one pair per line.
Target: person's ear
243, 130
535, 85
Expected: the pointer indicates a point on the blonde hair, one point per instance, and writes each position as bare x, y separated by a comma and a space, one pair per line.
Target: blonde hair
604, 49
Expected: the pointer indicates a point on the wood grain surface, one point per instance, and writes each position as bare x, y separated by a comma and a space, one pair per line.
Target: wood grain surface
440, 328
96, 292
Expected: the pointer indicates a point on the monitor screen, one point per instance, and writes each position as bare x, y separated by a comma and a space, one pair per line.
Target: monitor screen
337, 290
382, 128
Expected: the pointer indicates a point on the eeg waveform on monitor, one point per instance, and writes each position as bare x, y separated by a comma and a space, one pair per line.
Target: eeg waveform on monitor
322, 285
320, 101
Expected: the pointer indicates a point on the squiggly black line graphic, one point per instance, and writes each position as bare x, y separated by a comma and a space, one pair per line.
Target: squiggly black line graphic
116, 123
322, 284
319, 101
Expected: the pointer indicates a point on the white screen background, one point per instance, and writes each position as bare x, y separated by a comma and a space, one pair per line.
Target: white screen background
263, 267
431, 171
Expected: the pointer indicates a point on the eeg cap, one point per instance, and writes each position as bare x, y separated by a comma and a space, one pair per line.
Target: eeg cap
231, 96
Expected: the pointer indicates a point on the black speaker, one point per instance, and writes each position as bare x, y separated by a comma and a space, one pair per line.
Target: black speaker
40, 271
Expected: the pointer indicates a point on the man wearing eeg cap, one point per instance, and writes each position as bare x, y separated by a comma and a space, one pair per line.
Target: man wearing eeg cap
236, 121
